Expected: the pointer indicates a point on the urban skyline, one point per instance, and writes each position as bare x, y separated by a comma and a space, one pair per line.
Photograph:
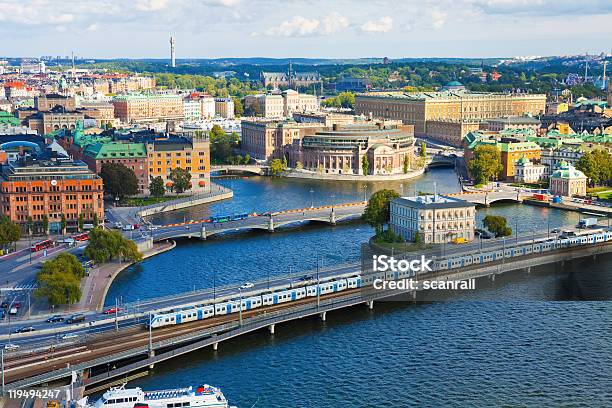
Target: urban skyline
235, 28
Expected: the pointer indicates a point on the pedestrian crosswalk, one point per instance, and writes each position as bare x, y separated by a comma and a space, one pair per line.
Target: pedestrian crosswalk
26, 285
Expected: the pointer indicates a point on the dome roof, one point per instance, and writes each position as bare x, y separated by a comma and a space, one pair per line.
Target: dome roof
454, 83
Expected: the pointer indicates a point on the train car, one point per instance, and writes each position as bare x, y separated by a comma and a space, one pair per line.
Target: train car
283, 296
353, 282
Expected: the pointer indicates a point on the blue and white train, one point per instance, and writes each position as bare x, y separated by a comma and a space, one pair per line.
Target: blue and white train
225, 307
353, 281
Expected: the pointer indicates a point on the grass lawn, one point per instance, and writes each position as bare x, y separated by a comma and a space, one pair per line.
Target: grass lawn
142, 201
605, 195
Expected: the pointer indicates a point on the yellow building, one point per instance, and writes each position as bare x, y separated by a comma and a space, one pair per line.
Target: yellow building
192, 154
421, 108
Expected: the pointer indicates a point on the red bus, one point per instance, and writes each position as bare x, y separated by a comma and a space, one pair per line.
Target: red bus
81, 237
41, 245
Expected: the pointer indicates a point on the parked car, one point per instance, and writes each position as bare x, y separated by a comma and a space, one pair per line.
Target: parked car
11, 347
24, 329
112, 310
77, 318
483, 234
128, 227
69, 336
56, 318
247, 285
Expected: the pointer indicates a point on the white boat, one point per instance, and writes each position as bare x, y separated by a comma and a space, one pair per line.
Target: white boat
203, 396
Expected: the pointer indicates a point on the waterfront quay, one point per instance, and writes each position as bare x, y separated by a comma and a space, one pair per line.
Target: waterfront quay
142, 349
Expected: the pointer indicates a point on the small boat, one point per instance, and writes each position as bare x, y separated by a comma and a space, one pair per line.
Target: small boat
204, 396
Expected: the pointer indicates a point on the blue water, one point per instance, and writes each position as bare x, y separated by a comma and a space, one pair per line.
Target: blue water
522, 349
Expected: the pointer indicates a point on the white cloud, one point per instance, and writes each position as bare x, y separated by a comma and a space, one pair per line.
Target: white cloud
299, 26
151, 5
437, 18
93, 27
382, 25
224, 3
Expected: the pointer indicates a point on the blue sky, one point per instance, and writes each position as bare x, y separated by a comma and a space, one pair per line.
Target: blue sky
300, 28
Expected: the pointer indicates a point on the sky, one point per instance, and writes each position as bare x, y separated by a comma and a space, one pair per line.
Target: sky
304, 28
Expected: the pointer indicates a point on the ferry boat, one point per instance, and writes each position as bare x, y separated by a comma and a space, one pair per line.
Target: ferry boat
205, 396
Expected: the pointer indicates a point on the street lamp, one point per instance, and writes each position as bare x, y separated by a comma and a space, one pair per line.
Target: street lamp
365, 191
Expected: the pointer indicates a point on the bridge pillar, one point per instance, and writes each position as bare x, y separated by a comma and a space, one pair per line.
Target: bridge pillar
271, 224
215, 346
203, 232
332, 217
371, 304
323, 316
271, 328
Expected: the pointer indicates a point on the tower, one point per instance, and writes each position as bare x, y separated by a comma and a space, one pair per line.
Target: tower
172, 53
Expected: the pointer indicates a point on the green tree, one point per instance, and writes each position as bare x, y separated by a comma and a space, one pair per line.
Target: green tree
222, 145
486, 163
81, 222
119, 181
423, 150
247, 159
365, 165
106, 245
9, 231
63, 224
597, 166
181, 180
238, 108
498, 225
406, 164
30, 225
156, 187
277, 167
45, 224
95, 221
377, 211
59, 279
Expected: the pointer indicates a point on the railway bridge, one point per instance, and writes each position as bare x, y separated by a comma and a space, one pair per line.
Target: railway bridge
140, 350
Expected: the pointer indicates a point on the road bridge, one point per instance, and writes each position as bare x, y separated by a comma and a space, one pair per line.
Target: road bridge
138, 351
241, 168
329, 214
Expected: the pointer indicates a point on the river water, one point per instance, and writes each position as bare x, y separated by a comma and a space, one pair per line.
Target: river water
541, 339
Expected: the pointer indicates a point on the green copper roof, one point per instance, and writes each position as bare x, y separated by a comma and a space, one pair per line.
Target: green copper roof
566, 171
8, 119
115, 150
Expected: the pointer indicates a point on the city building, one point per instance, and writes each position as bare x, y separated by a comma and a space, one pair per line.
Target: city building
297, 102
326, 119
131, 155
264, 139
511, 122
512, 152
224, 107
276, 80
274, 105
528, 172
148, 107
265, 105
567, 181
192, 109
102, 112
343, 149
54, 119
192, 154
420, 108
451, 131
47, 102
436, 218
49, 186
351, 84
